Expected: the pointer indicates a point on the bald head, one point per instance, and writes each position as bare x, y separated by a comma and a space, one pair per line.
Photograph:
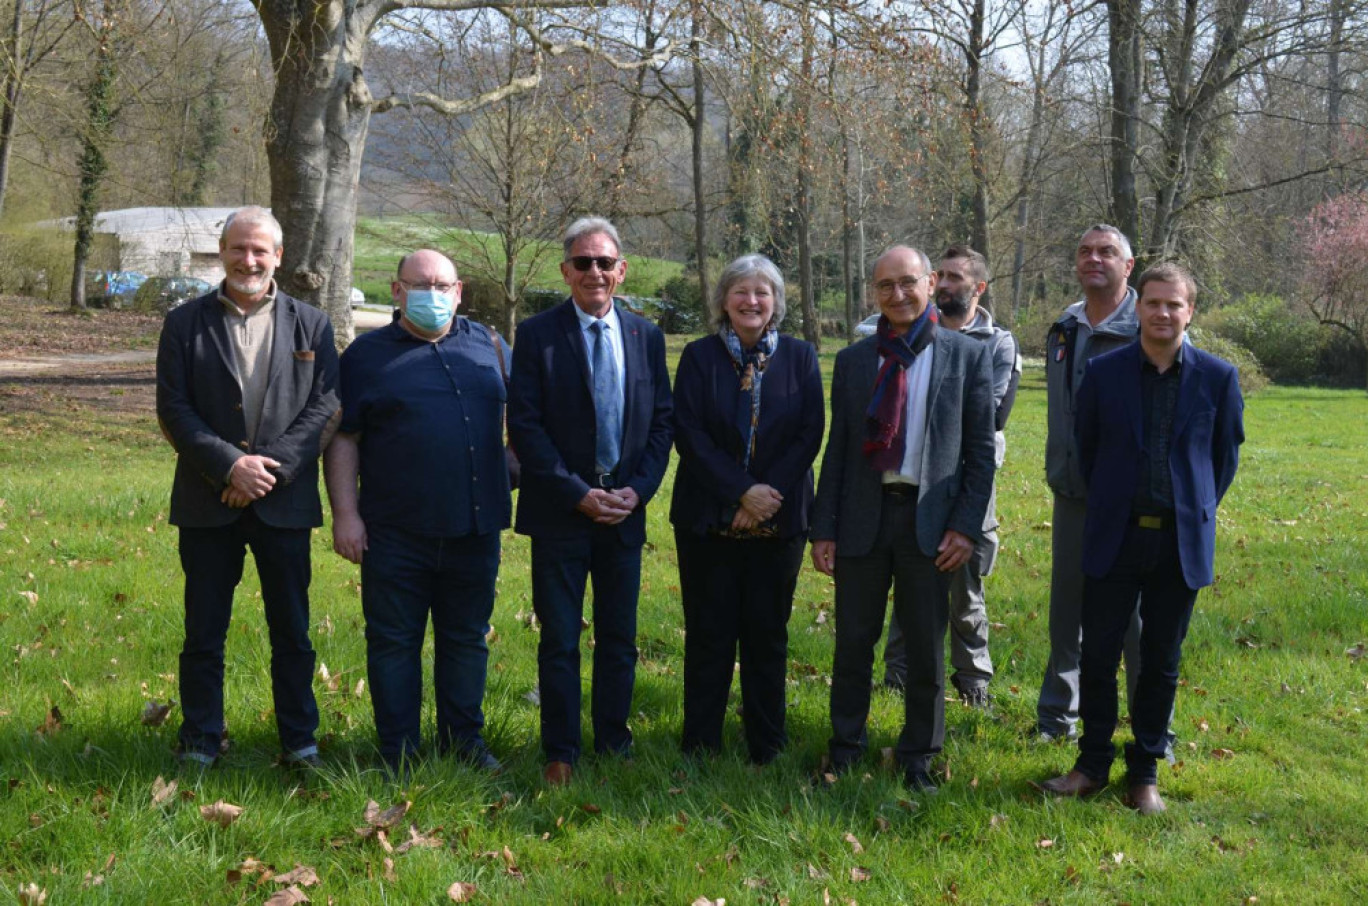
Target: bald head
427, 292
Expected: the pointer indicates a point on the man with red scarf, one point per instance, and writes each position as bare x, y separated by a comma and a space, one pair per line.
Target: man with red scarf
905, 483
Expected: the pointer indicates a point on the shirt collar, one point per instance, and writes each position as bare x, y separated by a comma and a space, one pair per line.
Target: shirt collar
587, 320
236, 309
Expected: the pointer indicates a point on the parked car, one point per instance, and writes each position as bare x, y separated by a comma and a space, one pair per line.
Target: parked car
358, 298
161, 294
112, 289
868, 326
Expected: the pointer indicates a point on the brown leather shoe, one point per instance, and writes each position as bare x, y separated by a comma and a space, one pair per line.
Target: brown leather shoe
1145, 799
557, 773
1074, 783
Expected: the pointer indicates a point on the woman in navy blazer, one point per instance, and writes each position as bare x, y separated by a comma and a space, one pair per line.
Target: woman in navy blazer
749, 418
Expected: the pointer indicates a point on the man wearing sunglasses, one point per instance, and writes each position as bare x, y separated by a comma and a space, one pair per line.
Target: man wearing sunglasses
590, 414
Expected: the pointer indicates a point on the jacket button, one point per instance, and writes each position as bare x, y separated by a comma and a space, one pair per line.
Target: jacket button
244, 445
238, 407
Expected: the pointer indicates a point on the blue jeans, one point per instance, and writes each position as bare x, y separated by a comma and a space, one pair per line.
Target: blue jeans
212, 560
560, 567
1147, 568
404, 577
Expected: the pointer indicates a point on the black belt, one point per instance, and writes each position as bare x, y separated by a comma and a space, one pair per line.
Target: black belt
605, 480
1155, 522
899, 489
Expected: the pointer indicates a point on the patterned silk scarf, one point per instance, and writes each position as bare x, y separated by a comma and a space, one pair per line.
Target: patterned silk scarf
885, 436
750, 367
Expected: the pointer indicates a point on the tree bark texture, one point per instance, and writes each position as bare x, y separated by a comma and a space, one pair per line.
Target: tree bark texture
320, 114
1123, 55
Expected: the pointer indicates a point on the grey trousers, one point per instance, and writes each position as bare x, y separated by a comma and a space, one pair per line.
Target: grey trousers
1057, 709
971, 665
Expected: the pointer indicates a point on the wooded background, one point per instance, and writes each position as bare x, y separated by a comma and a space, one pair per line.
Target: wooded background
1226, 133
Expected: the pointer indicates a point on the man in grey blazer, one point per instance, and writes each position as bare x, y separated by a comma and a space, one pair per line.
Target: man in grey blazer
246, 383
905, 483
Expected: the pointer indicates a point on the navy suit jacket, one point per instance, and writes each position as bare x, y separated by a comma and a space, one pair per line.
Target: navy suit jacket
1208, 428
551, 421
707, 393
199, 407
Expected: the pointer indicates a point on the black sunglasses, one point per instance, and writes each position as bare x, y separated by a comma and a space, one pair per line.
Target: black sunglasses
584, 262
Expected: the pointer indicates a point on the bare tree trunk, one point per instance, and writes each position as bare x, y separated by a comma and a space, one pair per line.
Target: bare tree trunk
14, 80
978, 137
93, 165
1123, 55
696, 125
812, 329
847, 243
1334, 81
320, 114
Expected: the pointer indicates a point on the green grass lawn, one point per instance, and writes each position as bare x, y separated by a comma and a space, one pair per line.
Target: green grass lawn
1267, 800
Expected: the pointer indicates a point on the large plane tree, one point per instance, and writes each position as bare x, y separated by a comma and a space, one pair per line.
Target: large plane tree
320, 114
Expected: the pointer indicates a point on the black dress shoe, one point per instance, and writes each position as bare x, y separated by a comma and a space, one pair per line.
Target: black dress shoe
919, 782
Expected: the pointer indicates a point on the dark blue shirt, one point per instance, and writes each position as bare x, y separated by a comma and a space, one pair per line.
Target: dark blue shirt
1158, 400
430, 418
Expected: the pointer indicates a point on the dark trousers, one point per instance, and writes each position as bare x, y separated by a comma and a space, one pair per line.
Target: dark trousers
560, 568
736, 592
212, 560
1147, 568
404, 577
921, 599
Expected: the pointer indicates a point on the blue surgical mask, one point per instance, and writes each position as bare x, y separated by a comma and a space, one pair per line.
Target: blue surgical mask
428, 309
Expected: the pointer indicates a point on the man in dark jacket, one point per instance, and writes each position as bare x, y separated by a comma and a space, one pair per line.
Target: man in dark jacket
246, 383
1159, 429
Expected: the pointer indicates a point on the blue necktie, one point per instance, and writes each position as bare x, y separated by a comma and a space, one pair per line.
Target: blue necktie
607, 405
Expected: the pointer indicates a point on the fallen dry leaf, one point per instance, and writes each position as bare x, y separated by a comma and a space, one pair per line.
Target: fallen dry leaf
704, 901
303, 875
1357, 651
162, 791
386, 819
854, 842
287, 897
388, 872
417, 839
461, 892
92, 880
360, 689
154, 714
882, 824
1222, 754
1044, 843
815, 873
887, 758
32, 895
221, 813
52, 722
859, 873
32, 598
997, 820
250, 867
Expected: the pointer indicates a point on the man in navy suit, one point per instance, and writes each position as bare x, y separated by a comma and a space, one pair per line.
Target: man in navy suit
1159, 426
246, 383
590, 415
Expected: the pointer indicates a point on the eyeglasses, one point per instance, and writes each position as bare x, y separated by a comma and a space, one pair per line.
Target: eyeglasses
584, 262
439, 287
907, 284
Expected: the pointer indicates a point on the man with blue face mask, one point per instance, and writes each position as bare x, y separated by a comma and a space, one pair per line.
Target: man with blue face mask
422, 432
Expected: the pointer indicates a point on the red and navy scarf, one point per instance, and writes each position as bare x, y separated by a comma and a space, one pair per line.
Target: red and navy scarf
885, 436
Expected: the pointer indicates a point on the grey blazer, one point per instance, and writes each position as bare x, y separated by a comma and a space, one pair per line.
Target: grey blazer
199, 406
957, 461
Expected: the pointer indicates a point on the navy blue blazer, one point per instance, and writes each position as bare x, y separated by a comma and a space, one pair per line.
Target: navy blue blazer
551, 421
199, 406
710, 481
1208, 428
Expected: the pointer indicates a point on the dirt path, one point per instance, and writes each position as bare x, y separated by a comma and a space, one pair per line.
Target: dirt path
74, 362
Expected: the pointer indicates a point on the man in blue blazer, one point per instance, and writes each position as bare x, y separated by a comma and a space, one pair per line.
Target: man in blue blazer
590, 416
246, 383
906, 478
1159, 426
